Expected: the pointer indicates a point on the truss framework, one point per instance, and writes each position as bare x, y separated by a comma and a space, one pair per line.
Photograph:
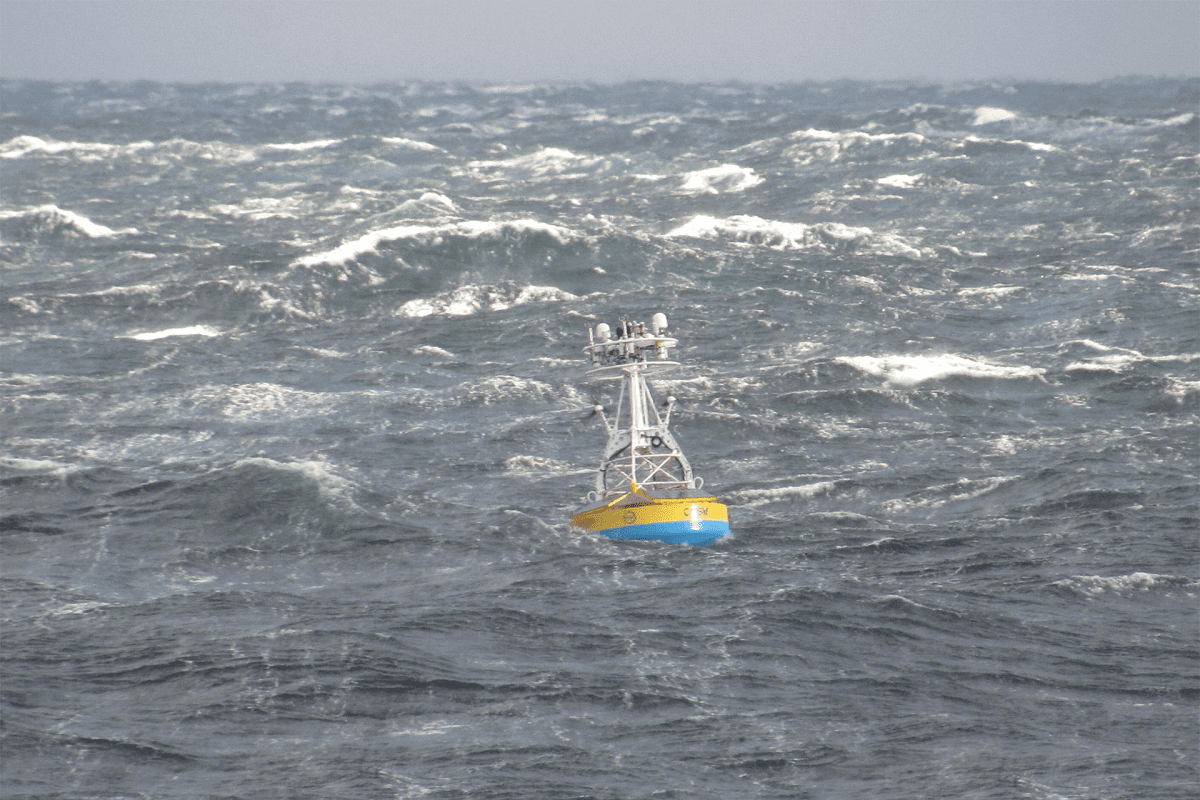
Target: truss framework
641, 450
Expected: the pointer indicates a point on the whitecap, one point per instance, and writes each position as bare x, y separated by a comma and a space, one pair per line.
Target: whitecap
429, 202
757, 497
841, 518
911, 370
78, 609
1180, 389
485, 391
50, 219
719, 180
431, 350
348, 251
533, 466
26, 304
412, 144
746, 228
1117, 359
483, 231
794, 235
32, 465
20, 146
471, 299
191, 330
332, 487
260, 208
989, 293
829, 145
1035, 146
1096, 585
544, 162
319, 144
254, 402
937, 496
986, 115
901, 181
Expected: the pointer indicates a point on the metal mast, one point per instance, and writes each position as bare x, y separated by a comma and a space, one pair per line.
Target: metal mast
641, 452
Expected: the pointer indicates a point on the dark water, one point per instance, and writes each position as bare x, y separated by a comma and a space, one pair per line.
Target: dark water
293, 419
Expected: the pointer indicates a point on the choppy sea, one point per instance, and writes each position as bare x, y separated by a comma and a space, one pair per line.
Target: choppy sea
294, 415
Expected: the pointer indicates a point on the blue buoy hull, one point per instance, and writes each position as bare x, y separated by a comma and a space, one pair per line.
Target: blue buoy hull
671, 532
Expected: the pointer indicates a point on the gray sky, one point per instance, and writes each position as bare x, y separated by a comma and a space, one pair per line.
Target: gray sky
497, 41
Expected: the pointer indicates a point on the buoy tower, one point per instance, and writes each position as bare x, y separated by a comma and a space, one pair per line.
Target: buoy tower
645, 487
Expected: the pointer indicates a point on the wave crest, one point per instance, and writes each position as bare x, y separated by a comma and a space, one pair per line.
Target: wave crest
779, 235
51, 223
471, 299
911, 370
477, 232
724, 179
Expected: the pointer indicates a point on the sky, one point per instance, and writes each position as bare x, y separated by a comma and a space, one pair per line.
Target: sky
601, 41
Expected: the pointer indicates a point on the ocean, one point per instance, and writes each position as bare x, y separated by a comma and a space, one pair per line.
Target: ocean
294, 417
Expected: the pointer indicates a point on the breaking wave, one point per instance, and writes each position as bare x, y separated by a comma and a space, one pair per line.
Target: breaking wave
519, 232
912, 370
49, 223
794, 235
471, 299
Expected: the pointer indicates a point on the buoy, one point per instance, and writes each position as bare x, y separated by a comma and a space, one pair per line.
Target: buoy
645, 487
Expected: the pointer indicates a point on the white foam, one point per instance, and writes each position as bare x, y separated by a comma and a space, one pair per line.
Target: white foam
32, 465
745, 228
368, 243
431, 350
901, 181
911, 370
841, 518
432, 234
829, 145
23, 145
20, 146
92, 152
78, 609
51, 216
436, 728
544, 162
253, 402
471, 299
722, 179
990, 293
531, 466
26, 304
260, 208
793, 235
429, 202
1035, 146
986, 115
938, 496
1180, 389
816, 135
412, 144
331, 486
319, 144
219, 152
507, 387
191, 330
758, 497
1117, 359
1096, 585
